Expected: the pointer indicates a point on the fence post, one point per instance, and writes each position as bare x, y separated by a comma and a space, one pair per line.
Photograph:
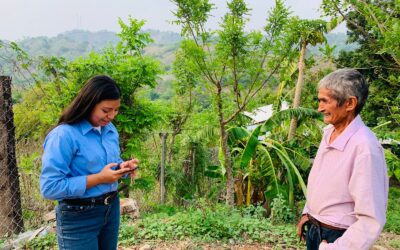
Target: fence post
10, 196
164, 150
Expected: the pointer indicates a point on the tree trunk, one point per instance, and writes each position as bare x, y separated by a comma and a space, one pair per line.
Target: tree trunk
230, 187
239, 189
10, 197
230, 199
171, 148
299, 87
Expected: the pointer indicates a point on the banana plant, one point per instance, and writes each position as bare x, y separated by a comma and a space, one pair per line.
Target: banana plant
275, 162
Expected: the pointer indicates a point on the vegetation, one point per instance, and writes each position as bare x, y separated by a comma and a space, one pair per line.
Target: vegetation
375, 27
227, 178
204, 222
393, 217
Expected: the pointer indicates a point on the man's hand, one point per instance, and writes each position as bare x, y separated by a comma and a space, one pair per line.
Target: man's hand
323, 244
303, 220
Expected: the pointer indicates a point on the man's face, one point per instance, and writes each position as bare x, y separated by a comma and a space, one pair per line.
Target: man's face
104, 112
328, 106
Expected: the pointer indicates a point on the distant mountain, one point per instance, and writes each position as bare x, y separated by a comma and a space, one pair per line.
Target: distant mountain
335, 39
75, 43
164, 37
72, 44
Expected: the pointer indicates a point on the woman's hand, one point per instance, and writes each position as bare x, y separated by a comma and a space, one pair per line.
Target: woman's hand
129, 165
106, 175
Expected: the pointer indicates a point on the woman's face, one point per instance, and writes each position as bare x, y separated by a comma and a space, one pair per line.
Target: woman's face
104, 112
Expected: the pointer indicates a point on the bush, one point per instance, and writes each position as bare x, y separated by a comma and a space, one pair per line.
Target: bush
393, 215
209, 223
48, 241
280, 211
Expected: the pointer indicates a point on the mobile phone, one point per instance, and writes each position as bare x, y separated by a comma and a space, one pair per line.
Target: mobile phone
128, 170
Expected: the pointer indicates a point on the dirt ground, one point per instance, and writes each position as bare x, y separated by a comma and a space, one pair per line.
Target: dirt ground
387, 241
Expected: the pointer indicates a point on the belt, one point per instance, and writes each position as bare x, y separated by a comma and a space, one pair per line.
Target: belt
104, 199
321, 224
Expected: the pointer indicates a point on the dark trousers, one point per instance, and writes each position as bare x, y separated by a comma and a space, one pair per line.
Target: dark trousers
91, 227
316, 234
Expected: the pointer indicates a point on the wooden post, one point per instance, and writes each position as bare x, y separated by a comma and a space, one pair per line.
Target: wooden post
163, 136
193, 162
10, 197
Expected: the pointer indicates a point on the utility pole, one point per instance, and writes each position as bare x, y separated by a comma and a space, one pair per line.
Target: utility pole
163, 136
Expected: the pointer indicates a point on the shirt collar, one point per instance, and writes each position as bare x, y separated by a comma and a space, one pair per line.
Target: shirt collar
341, 141
86, 127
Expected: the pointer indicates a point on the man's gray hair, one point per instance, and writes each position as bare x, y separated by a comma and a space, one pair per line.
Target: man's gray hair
344, 83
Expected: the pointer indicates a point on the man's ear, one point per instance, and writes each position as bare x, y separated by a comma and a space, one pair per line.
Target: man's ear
351, 103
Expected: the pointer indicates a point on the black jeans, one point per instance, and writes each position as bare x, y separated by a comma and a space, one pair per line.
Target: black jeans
316, 234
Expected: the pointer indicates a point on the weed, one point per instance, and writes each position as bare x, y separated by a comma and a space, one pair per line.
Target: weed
204, 222
280, 210
393, 215
48, 241
395, 244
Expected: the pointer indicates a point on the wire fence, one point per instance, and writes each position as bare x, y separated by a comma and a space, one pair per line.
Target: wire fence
10, 207
21, 206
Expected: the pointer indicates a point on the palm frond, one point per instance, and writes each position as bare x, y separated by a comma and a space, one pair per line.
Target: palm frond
250, 148
298, 159
288, 114
236, 134
283, 155
269, 169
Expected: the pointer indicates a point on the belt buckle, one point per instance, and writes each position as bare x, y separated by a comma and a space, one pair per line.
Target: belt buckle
106, 202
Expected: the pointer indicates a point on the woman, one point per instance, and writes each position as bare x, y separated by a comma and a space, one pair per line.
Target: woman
79, 168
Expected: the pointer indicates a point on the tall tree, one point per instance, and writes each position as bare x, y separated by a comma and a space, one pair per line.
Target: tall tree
310, 32
233, 65
375, 26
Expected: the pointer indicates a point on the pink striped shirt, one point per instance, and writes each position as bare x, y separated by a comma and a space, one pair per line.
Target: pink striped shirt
348, 186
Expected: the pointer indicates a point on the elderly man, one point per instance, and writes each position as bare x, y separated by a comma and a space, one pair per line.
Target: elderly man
348, 185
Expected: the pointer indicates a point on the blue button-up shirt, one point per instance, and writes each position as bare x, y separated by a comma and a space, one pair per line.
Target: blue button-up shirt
71, 153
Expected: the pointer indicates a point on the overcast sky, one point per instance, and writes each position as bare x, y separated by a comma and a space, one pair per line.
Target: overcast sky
30, 18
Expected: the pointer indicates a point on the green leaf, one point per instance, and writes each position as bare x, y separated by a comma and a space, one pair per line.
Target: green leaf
250, 148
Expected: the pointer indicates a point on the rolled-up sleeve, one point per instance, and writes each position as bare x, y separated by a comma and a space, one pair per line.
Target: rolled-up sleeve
368, 186
56, 181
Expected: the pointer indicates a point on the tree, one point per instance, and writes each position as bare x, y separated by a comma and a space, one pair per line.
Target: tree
233, 65
375, 26
125, 63
310, 32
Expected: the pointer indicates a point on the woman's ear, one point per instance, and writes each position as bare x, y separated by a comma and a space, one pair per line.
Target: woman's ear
351, 103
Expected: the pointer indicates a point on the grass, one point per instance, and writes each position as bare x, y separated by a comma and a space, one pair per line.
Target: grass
395, 244
209, 223
393, 214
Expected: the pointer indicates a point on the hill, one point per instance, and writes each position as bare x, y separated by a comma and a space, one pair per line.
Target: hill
75, 43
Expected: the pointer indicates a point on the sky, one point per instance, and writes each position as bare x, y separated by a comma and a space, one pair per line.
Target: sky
30, 18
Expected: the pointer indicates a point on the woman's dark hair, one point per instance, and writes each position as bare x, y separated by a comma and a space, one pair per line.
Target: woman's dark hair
95, 90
